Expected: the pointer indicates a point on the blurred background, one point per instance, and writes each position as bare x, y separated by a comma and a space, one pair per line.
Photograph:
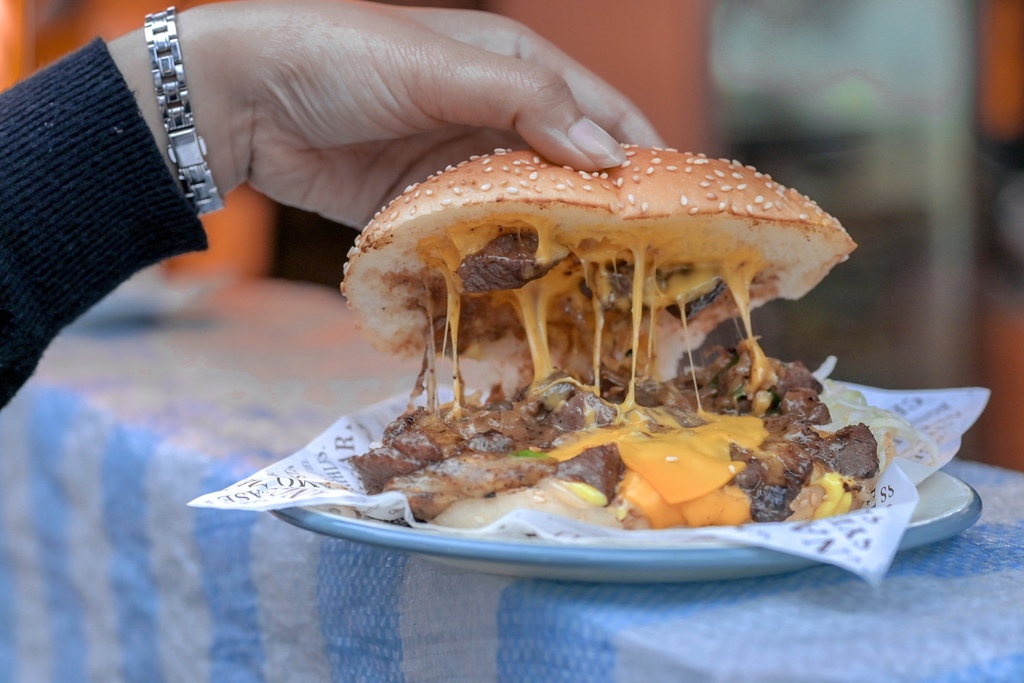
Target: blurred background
904, 120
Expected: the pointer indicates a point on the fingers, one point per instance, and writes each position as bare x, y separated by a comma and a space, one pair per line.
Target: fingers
598, 100
487, 90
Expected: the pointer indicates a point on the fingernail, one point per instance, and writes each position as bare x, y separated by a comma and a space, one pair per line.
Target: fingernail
596, 143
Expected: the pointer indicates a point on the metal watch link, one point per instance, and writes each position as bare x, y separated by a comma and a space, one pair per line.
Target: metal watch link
187, 148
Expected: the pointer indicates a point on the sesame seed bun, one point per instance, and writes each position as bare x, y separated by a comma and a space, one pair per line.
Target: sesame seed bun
698, 208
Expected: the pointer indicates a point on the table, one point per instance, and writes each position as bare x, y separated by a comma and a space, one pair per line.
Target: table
106, 575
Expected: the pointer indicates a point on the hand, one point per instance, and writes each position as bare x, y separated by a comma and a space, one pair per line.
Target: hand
335, 107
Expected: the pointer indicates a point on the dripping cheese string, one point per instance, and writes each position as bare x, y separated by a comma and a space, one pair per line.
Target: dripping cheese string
431, 352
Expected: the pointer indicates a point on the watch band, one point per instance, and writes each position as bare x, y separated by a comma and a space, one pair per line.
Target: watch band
187, 148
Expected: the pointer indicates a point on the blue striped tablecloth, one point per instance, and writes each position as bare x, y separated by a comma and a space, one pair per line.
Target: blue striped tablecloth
107, 576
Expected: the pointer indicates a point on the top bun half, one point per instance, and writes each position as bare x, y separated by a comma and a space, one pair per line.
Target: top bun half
686, 209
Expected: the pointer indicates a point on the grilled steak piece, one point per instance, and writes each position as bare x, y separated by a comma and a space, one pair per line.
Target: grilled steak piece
600, 467
805, 405
795, 375
434, 488
409, 443
491, 441
506, 262
704, 300
852, 451
379, 465
583, 409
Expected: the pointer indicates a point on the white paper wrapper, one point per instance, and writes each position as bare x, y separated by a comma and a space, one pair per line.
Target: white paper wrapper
863, 542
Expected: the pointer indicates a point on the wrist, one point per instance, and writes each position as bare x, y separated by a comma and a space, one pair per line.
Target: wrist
215, 116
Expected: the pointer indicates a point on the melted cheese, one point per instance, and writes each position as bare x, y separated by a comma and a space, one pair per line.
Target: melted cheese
681, 464
675, 475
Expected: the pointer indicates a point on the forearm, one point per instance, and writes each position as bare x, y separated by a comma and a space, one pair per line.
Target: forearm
85, 201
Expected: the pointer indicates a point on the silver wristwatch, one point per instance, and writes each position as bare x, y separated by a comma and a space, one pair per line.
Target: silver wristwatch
187, 148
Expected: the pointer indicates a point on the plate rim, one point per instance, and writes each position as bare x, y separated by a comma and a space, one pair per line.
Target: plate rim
523, 554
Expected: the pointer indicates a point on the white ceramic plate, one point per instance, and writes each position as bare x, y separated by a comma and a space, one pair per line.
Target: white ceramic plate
947, 507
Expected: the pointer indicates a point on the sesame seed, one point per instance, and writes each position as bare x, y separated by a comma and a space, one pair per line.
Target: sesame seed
721, 206
446, 202
644, 207
517, 162
693, 210
486, 186
631, 198
488, 169
486, 161
536, 160
712, 196
523, 183
726, 188
457, 190
719, 173
758, 199
671, 168
636, 179
650, 170
630, 153
750, 209
683, 200
626, 164
428, 192
618, 181
656, 160
636, 169
804, 216
767, 205
741, 186
705, 183
560, 186
412, 211
588, 188
689, 169
512, 190
533, 176
737, 176
700, 161
671, 458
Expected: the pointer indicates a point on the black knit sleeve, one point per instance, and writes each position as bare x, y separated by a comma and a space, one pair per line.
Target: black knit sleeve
86, 200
